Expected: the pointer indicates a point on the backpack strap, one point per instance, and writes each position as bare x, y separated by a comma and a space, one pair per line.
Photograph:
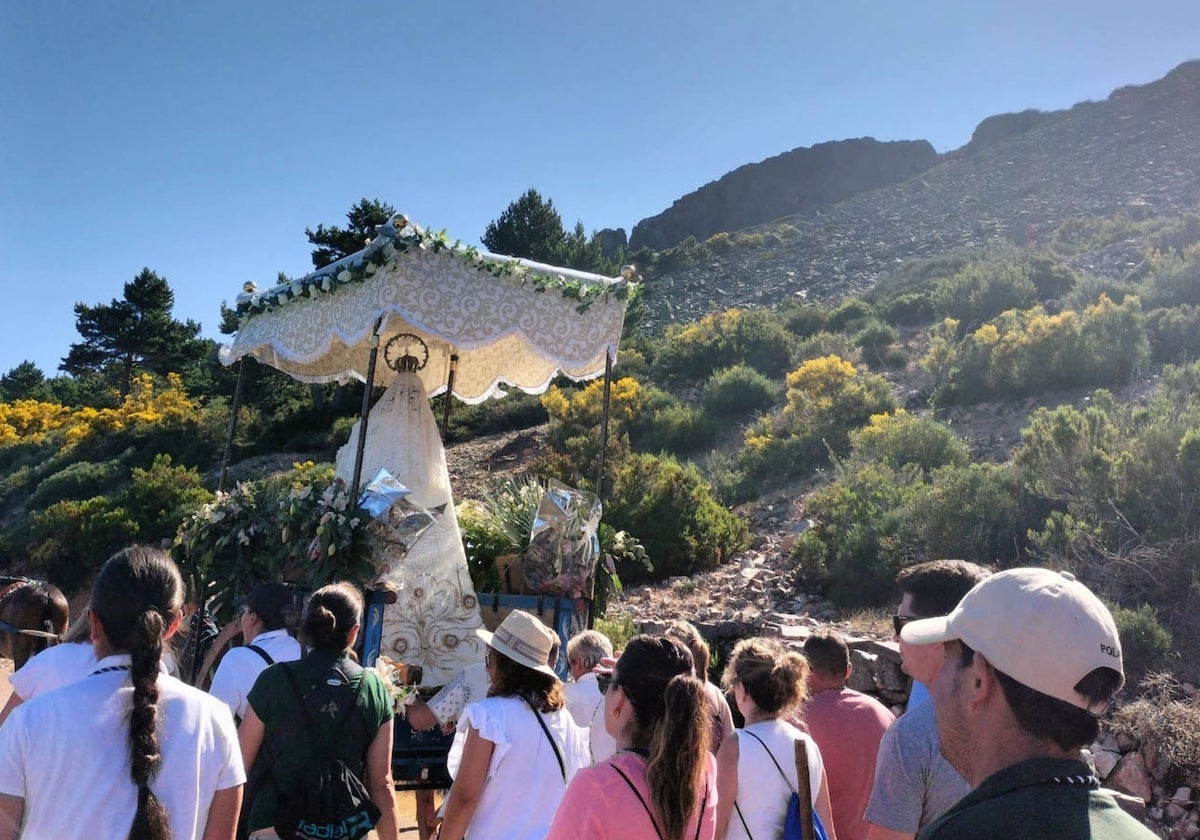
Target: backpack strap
786, 780
642, 799
266, 656
650, 814
562, 767
745, 827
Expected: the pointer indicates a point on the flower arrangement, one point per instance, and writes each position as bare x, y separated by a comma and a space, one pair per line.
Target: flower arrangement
399, 235
299, 526
395, 679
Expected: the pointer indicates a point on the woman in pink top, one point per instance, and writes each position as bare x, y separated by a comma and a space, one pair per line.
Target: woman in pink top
661, 783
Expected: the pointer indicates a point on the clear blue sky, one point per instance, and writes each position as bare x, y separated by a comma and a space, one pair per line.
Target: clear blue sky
200, 139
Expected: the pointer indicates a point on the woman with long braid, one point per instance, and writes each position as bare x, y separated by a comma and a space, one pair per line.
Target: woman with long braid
61, 753
661, 783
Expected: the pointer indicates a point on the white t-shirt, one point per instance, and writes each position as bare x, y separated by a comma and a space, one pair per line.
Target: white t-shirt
53, 668
241, 666
586, 705
66, 753
524, 783
762, 793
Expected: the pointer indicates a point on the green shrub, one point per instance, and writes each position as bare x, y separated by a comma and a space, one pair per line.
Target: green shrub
516, 410
829, 397
719, 243
1173, 334
982, 291
971, 511
738, 391
692, 352
674, 428
804, 319
850, 315
908, 310
1145, 643
1174, 279
1050, 278
875, 339
69, 540
159, 497
671, 507
823, 344
80, 480
619, 629
900, 439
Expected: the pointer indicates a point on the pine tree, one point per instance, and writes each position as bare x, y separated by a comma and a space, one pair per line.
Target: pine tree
134, 333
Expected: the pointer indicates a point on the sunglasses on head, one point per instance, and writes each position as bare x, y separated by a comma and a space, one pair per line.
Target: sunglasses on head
898, 622
605, 681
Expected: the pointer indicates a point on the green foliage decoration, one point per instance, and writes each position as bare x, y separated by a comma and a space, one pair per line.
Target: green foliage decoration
400, 235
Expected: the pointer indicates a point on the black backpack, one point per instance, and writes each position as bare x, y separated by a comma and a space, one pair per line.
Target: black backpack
329, 801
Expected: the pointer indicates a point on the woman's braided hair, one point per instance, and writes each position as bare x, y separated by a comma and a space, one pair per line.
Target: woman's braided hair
137, 595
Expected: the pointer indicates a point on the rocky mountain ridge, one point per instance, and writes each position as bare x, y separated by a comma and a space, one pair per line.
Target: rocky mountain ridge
1136, 152
782, 185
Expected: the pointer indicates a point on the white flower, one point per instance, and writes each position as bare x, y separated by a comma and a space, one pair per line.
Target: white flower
326, 285
344, 276
371, 268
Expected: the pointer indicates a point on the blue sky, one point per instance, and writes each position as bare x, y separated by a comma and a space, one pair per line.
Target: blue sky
200, 139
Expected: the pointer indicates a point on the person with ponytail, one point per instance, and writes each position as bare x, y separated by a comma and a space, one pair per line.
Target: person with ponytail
276, 746
661, 783
757, 763
62, 753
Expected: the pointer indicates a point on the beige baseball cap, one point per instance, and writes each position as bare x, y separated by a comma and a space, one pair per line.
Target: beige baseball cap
1044, 629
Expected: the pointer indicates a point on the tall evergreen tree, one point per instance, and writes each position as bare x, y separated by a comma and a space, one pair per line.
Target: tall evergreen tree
530, 227
335, 242
24, 382
136, 332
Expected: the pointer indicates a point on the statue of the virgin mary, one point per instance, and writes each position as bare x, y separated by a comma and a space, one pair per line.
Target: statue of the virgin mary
436, 609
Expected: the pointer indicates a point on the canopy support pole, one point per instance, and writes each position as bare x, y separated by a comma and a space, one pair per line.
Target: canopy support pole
366, 412
449, 394
604, 425
233, 413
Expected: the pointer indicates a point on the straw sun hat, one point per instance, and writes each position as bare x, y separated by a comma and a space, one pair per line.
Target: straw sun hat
524, 640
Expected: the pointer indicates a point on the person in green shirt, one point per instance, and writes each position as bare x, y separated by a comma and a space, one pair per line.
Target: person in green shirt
363, 738
1032, 657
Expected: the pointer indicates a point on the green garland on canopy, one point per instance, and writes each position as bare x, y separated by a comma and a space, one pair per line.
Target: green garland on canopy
397, 236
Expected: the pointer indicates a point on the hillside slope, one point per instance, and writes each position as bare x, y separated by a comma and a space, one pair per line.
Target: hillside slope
1138, 152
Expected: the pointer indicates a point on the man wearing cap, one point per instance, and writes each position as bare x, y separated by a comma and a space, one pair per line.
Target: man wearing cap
1031, 658
914, 784
263, 619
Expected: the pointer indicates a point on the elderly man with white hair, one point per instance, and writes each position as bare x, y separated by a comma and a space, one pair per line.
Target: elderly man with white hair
584, 700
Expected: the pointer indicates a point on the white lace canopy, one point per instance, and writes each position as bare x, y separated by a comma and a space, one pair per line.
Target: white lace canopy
504, 329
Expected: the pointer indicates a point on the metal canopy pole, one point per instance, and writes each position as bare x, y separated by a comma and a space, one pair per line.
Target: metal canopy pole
449, 394
604, 426
233, 413
366, 410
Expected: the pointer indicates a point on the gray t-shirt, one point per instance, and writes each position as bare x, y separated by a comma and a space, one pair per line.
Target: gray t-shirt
914, 784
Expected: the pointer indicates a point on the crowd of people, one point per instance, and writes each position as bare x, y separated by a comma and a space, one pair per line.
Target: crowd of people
1011, 671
